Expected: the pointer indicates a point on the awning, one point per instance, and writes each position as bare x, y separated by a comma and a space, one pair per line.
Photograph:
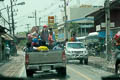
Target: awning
86, 18
102, 34
93, 34
81, 37
6, 37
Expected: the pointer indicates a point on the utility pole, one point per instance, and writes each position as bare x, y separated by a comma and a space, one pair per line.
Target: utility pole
35, 18
39, 24
108, 39
28, 27
9, 18
39, 20
13, 26
65, 24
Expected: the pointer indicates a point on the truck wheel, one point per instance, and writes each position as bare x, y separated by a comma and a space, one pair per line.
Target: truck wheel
81, 61
62, 71
117, 68
29, 73
86, 61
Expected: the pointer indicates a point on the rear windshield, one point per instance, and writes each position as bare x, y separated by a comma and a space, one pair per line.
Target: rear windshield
75, 45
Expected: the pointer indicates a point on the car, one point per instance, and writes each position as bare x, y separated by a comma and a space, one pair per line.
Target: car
76, 51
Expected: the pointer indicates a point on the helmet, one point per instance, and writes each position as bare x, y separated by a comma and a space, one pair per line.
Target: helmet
45, 26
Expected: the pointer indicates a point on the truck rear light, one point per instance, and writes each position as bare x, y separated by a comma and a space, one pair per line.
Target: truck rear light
63, 56
26, 58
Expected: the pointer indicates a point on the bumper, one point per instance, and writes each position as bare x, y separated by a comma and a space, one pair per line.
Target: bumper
40, 66
71, 57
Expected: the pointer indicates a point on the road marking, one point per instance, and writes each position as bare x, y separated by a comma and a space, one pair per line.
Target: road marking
22, 70
84, 76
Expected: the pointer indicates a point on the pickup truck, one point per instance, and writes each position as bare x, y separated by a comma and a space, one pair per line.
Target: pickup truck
45, 61
76, 51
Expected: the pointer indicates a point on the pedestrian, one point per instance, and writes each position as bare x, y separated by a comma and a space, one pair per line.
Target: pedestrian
50, 40
65, 42
39, 40
73, 38
7, 52
29, 46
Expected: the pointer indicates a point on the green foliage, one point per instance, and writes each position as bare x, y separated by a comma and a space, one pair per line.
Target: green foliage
21, 33
22, 43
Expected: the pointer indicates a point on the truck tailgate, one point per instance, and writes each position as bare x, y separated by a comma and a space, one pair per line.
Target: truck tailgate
45, 57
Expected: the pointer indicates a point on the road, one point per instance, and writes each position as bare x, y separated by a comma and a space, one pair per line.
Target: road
75, 71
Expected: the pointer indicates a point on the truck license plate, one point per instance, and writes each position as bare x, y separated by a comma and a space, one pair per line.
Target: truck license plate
44, 68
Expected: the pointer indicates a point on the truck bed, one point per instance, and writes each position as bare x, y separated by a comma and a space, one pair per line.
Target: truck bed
45, 57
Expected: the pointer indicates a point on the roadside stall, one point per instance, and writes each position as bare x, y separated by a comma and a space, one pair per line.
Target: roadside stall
81, 39
92, 39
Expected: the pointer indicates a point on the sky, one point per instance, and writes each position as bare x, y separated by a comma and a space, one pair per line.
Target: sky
44, 9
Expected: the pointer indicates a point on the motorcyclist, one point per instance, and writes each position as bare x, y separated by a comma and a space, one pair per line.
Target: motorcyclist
117, 59
117, 54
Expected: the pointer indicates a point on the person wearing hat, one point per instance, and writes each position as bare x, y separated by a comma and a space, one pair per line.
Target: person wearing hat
44, 34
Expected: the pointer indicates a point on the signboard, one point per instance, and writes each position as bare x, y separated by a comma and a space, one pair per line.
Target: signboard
86, 26
51, 21
104, 24
61, 36
98, 28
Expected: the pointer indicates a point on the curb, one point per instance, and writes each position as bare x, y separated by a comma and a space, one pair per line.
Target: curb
108, 69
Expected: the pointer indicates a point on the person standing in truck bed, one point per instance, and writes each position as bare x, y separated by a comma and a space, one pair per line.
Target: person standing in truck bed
44, 34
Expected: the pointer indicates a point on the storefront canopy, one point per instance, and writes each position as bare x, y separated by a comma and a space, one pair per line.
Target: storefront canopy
102, 34
7, 36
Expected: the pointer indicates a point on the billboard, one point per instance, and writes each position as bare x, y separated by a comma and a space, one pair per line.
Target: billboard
51, 21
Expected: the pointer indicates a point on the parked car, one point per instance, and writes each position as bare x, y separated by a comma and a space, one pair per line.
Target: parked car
76, 51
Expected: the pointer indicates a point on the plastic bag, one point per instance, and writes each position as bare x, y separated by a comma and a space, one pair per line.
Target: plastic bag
42, 48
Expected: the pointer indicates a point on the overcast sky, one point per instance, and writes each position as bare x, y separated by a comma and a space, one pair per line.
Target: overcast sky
43, 8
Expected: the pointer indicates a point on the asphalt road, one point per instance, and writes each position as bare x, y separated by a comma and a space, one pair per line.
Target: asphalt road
75, 71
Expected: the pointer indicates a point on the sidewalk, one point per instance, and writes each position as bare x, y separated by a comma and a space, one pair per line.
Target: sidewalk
12, 67
102, 63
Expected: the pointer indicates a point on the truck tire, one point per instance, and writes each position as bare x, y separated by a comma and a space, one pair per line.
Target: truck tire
29, 73
61, 71
86, 61
117, 66
81, 61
